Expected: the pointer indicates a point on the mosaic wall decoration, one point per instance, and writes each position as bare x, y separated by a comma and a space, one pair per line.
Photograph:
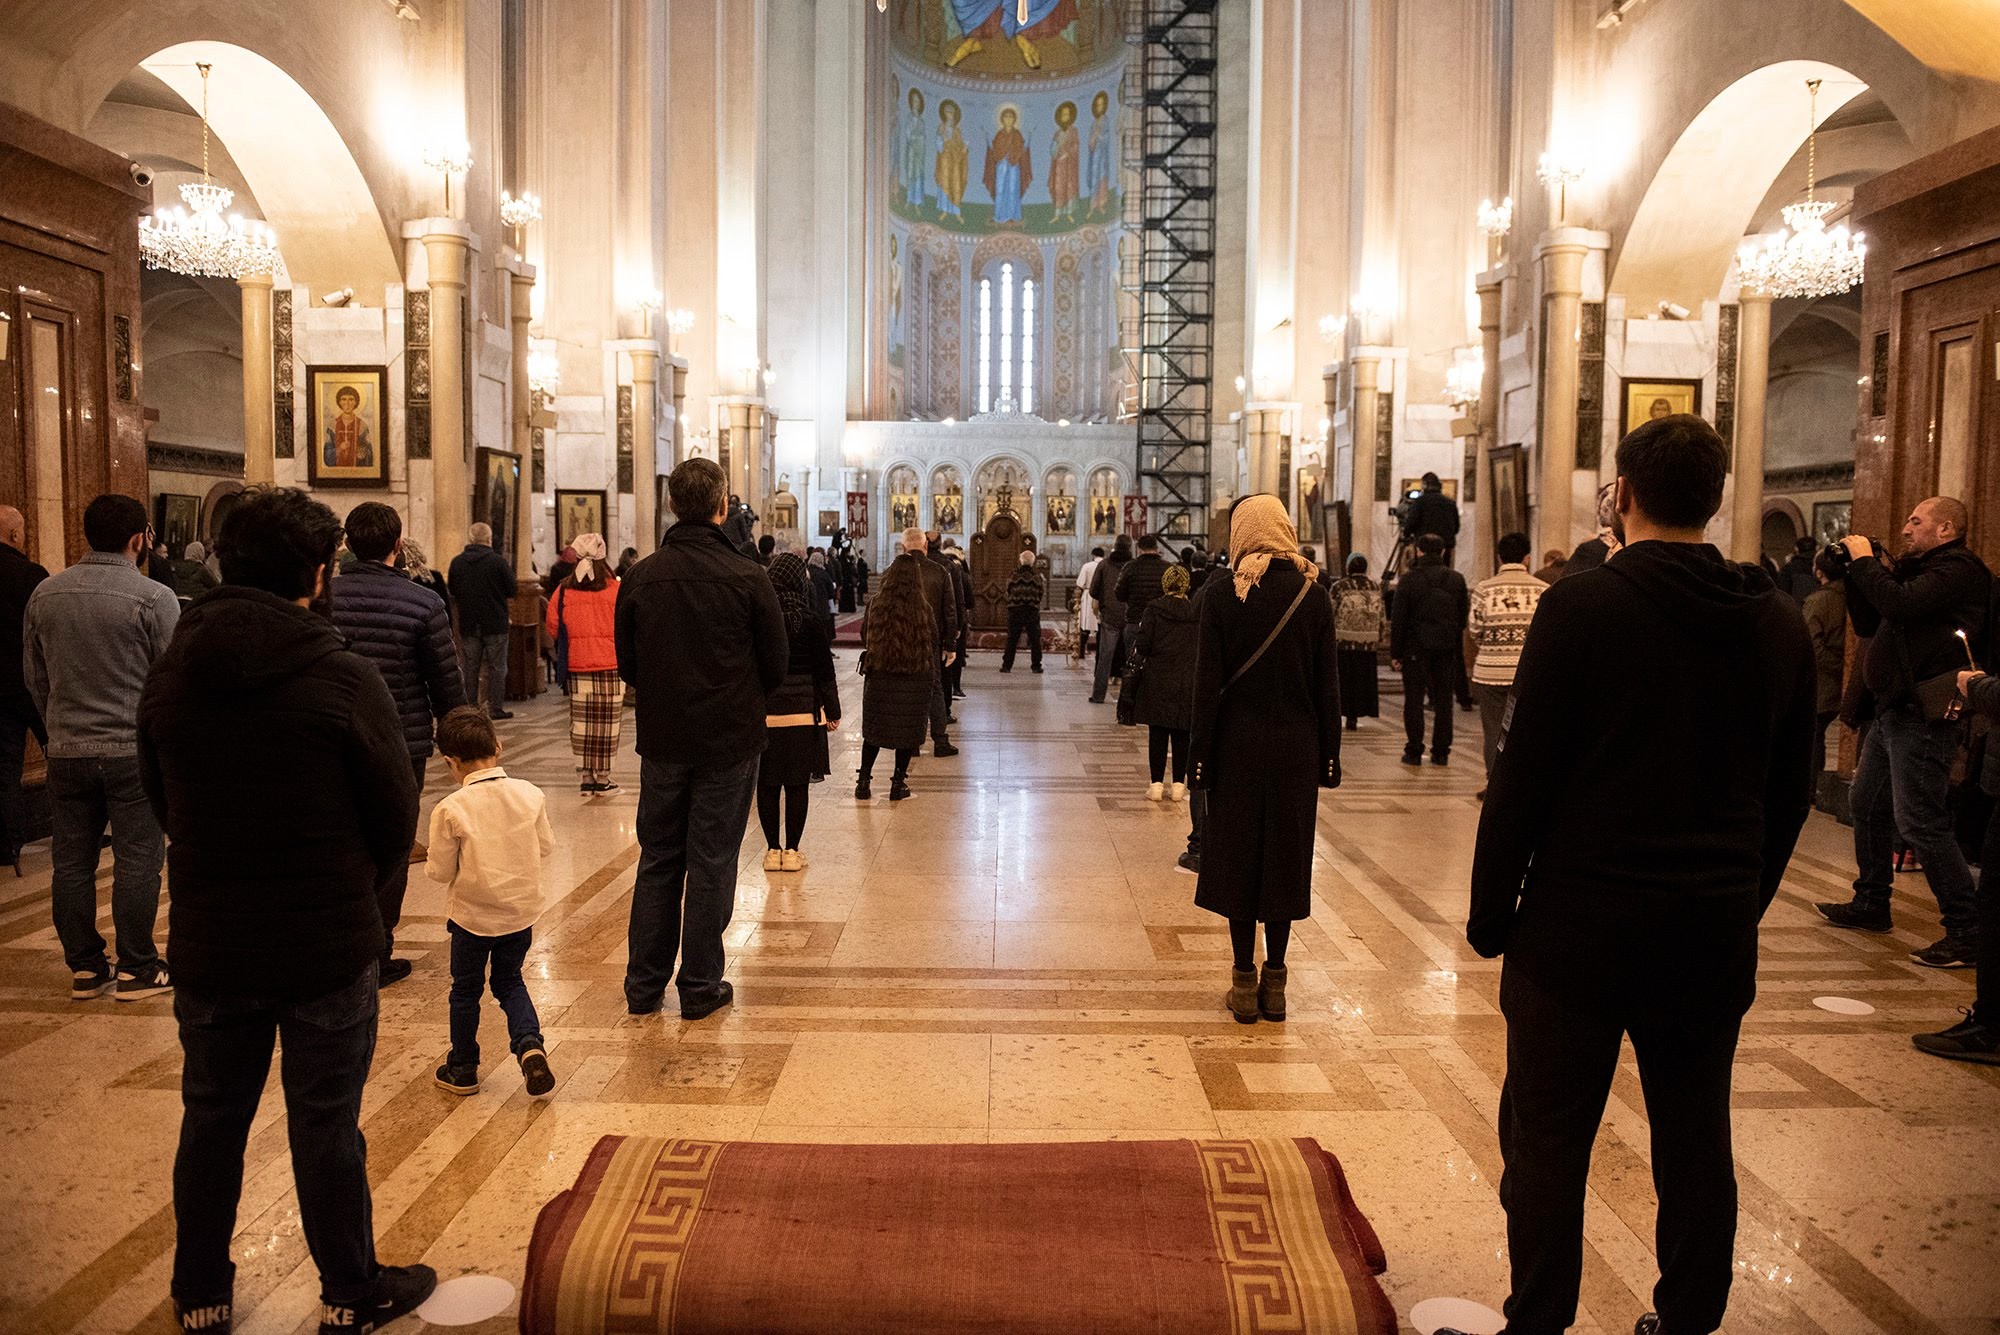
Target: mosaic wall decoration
1385, 442
121, 338
1878, 373
1725, 376
624, 439
1590, 388
284, 420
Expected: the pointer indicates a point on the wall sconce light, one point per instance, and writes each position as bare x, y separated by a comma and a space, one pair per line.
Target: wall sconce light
679, 321
544, 372
1496, 220
450, 160
517, 211
1463, 381
1332, 328
1562, 168
1371, 307
1241, 384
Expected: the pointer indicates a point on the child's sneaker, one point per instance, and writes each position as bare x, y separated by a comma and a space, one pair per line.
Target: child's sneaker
460, 1080
535, 1071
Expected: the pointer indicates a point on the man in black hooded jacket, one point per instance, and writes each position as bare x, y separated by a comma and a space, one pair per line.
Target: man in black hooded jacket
1651, 783
278, 768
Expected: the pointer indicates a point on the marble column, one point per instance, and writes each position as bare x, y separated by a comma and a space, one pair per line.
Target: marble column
744, 418
520, 311
260, 433
1262, 428
1367, 395
1484, 534
1562, 254
1753, 375
645, 457
677, 447
445, 251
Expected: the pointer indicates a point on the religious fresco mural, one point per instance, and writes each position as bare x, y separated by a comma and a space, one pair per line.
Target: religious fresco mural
1007, 38
1042, 157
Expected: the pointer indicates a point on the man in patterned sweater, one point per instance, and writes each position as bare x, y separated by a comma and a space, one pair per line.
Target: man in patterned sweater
1502, 607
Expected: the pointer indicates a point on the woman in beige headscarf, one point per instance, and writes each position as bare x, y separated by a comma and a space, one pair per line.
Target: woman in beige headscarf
582, 622
1266, 740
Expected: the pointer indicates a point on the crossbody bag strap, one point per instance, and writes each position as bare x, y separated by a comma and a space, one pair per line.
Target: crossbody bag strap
1271, 639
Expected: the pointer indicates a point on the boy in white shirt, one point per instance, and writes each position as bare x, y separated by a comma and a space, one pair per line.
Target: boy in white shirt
487, 843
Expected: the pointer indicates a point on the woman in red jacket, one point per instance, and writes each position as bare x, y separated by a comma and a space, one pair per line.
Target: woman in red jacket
582, 616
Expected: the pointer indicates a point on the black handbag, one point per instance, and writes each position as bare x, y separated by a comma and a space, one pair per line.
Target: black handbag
1128, 691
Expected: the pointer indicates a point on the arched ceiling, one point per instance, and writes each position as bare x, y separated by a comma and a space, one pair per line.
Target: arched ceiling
1706, 194
305, 178
1952, 36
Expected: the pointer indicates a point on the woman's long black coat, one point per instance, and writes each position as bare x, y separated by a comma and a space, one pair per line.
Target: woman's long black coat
1264, 747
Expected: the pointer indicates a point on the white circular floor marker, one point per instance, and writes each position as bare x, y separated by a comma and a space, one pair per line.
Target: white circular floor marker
467, 1300
1843, 1005
1457, 1314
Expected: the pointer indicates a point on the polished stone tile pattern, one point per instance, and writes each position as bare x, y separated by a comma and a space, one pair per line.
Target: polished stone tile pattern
1012, 956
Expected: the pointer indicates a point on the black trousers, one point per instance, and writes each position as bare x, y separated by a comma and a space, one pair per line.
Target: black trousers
326, 1044
1428, 676
17, 719
941, 706
395, 882
1157, 742
1986, 1009
1023, 621
1562, 1052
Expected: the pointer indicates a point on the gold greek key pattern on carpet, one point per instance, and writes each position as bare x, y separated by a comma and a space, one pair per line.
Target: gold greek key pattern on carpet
623, 1270
1280, 1268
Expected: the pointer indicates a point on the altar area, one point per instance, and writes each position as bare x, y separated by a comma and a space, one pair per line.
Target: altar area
1067, 483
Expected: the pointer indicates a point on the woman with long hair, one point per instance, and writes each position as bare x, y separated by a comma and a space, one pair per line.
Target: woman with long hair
899, 641
1165, 642
1266, 740
582, 621
1357, 632
798, 715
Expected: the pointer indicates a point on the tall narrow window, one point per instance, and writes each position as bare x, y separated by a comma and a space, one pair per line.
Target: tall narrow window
1006, 332
1027, 345
985, 345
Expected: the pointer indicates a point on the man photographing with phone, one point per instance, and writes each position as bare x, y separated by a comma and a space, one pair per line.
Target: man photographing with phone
1912, 612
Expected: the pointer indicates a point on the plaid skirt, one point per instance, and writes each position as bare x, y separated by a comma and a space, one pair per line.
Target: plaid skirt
596, 708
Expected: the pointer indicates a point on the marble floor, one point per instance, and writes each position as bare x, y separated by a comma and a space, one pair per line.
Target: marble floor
1012, 956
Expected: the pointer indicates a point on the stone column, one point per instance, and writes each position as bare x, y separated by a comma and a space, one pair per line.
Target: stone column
678, 446
1484, 533
1562, 255
520, 311
645, 465
1367, 395
445, 252
260, 433
1261, 428
1753, 377
743, 419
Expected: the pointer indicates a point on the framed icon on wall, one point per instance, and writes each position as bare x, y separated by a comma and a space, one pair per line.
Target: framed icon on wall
578, 512
350, 440
1645, 400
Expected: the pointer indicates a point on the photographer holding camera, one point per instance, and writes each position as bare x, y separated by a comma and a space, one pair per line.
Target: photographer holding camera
1431, 511
1914, 610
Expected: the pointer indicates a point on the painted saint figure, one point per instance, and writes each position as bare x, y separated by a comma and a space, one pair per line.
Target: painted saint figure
912, 147
1065, 154
1100, 157
954, 163
982, 20
1008, 168
347, 444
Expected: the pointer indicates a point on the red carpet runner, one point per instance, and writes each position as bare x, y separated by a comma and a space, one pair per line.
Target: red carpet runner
1236, 1237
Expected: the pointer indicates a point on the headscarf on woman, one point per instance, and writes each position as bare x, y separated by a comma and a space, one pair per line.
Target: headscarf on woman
1260, 530
590, 550
788, 578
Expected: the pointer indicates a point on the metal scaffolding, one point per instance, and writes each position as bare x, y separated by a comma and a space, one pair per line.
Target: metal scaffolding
1168, 270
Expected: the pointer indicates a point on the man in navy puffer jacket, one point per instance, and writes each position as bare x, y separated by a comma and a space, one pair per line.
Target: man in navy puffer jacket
404, 630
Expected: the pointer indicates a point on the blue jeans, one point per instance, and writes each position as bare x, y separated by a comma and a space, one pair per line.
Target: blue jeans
470, 954
85, 794
1900, 784
1110, 640
328, 1044
691, 821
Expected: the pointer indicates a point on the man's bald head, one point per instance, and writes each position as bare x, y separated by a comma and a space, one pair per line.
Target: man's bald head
1933, 523
13, 528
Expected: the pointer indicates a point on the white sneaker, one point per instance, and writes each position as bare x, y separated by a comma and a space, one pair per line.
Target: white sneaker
1155, 791
1179, 793
792, 861
773, 860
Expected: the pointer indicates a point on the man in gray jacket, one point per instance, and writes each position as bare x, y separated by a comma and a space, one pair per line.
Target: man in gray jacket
90, 637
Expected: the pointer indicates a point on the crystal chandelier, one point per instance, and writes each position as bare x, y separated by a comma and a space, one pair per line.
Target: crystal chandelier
1806, 259
197, 240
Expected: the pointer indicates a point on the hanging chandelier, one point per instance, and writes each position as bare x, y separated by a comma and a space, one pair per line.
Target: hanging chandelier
197, 240
1806, 259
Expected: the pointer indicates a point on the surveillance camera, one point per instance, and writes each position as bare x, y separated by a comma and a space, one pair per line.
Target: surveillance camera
1673, 310
340, 298
142, 175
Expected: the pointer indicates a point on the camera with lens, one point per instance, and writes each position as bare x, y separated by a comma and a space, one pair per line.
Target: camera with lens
1838, 558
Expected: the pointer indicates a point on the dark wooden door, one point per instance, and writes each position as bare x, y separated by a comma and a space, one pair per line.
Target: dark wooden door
1947, 426
53, 398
